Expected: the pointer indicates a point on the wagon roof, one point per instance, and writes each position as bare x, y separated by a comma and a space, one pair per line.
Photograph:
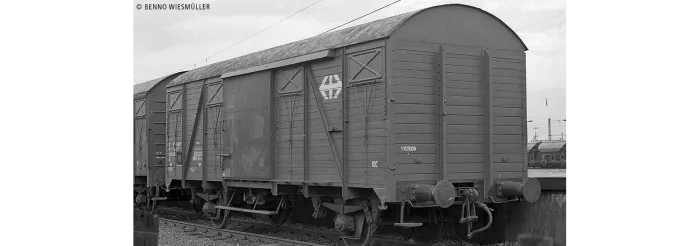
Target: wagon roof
551, 146
378, 29
148, 85
532, 145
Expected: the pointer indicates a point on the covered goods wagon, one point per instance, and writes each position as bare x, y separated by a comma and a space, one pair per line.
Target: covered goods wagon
419, 112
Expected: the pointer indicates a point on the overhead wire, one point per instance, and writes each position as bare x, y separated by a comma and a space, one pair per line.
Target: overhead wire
251, 36
361, 17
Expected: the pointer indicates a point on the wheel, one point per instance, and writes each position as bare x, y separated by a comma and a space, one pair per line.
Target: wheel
431, 230
221, 218
282, 217
366, 237
428, 234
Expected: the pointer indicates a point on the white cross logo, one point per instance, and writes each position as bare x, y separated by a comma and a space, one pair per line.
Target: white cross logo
331, 86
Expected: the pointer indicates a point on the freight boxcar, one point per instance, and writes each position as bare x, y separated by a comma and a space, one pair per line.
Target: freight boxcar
149, 137
407, 121
533, 155
553, 154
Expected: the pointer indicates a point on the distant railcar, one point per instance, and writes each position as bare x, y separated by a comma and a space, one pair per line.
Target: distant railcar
149, 137
553, 154
406, 121
547, 154
533, 155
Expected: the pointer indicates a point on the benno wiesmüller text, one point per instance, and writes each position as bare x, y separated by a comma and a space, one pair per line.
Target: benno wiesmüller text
176, 6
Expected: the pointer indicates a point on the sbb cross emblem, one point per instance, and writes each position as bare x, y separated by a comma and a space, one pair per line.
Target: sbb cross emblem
331, 86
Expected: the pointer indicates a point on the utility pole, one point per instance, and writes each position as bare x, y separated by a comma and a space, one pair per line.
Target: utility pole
549, 128
534, 138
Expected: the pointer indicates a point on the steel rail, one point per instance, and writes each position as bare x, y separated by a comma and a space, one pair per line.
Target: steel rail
258, 238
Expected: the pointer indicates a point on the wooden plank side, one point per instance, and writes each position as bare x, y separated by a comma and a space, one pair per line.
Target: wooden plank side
458, 84
411, 99
324, 177
475, 70
508, 121
407, 65
423, 168
465, 148
463, 91
416, 177
465, 176
466, 138
417, 74
465, 110
416, 57
507, 130
315, 125
509, 166
503, 83
414, 118
413, 82
425, 89
414, 158
402, 128
417, 109
507, 139
313, 143
509, 94
509, 103
504, 72
458, 119
507, 148
464, 101
507, 64
510, 80
511, 175
456, 62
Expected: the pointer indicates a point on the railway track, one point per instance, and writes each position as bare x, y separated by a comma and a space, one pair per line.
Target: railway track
250, 237
259, 238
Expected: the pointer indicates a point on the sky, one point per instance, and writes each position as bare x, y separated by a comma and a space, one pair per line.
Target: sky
167, 41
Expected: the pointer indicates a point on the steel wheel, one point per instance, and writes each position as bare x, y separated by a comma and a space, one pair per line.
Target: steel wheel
221, 218
282, 217
431, 231
366, 238
428, 234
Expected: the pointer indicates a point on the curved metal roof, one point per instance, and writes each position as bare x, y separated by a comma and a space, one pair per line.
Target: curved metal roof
551, 146
148, 85
532, 145
378, 29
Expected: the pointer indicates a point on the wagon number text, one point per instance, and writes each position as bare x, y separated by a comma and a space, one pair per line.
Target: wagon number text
408, 148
